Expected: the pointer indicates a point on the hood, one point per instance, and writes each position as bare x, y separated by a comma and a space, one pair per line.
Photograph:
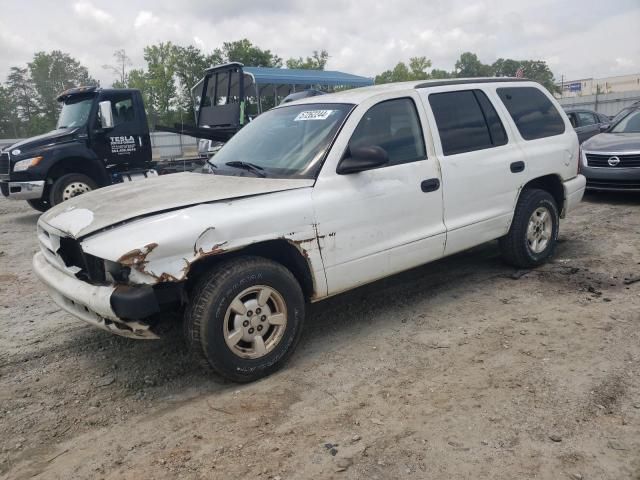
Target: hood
613, 142
108, 206
48, 138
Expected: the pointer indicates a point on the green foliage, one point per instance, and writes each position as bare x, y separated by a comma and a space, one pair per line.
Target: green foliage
417, 70
439, 74
160, 89
316, 62
9, 120
51, 74
189, 65
23, 106
28, 103
537, 70
247, 53
468, 65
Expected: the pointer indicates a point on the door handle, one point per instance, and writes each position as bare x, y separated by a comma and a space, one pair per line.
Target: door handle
430, 185
517, 167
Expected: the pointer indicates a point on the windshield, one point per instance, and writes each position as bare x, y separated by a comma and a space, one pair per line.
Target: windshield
629, 124
287, 142
620, 114
75, 112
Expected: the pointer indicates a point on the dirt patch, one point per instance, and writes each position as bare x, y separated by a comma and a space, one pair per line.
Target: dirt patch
464, 368
608, 393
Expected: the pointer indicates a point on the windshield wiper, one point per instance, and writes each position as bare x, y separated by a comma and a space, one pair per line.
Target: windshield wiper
251, 167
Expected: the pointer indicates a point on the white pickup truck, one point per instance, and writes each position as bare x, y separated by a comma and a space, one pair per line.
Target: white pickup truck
313, 198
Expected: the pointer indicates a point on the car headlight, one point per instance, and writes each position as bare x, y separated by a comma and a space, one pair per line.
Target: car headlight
23, 165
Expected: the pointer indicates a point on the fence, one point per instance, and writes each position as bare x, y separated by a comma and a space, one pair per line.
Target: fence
607, 103
172, 145
163, 144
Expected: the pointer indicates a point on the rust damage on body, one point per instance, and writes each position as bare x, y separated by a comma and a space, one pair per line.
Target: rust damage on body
305, 244
215, 250
137, 258
199, 253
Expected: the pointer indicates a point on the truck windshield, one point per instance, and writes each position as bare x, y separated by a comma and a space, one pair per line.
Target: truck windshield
629, 124
75, 112
287, 142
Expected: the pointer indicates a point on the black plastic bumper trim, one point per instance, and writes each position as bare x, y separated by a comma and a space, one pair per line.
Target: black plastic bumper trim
134, 303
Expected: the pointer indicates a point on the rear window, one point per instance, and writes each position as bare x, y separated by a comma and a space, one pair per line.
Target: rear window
466, 121
533, 113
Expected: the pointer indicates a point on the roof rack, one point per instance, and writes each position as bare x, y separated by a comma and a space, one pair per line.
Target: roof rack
463, 81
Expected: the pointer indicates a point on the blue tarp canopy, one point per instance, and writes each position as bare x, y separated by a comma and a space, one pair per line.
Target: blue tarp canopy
292, 76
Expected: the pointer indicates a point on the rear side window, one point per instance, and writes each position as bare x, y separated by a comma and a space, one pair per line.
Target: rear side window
466, 121
394, 126
532, 112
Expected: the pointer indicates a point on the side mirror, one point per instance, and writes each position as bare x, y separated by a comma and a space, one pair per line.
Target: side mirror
361, 159
106, 115
604, 127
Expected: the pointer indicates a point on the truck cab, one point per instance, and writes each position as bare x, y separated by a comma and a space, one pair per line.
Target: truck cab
101, 136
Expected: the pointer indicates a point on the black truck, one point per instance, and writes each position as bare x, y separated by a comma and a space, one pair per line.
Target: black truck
102, 138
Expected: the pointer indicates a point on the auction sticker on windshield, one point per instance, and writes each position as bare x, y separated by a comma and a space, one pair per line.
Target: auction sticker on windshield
313, 115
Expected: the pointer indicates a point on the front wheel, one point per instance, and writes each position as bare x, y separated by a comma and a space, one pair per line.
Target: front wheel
533, 235
69, 186
245, 318
39, 205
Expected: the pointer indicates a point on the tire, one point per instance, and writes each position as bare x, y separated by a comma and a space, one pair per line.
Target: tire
217, 333
69, 186
519, 247
39, 205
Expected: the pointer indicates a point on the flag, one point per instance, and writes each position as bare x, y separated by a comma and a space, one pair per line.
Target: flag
520, 72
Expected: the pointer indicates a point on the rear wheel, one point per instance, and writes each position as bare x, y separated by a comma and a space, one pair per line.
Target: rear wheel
533, 234
69, 186
39, 205
245, 318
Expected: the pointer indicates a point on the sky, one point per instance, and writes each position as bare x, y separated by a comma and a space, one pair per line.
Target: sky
590, 38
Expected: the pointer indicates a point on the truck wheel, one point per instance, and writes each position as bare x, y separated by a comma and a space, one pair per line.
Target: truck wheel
534, 230
245, 318
39, 205
69, 186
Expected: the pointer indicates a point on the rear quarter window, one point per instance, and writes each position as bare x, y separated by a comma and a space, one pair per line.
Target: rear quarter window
532, 112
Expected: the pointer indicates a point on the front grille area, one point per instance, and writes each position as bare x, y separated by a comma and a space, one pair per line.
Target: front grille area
629, 185
602, 160
66, 254
4, 163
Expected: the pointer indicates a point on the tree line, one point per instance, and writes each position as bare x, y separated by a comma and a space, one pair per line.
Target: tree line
28, 103
469, 65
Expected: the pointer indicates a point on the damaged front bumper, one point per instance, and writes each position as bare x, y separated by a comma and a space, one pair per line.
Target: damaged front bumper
117, 309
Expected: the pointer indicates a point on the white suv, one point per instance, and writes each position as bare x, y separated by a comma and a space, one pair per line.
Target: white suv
313, 198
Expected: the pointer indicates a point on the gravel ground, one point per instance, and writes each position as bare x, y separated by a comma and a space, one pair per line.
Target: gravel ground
460, 369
